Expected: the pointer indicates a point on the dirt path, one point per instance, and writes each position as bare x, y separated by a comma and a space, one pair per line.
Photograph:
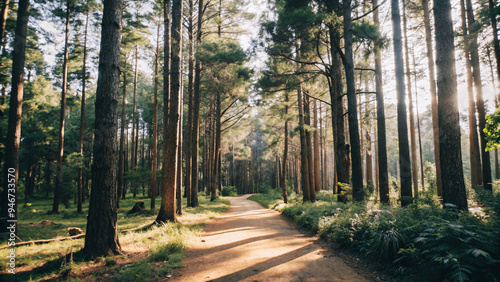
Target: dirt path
251, 243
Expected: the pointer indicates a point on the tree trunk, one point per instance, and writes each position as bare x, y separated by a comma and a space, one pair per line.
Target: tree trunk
82, 117
3, 21
310, 157
101, 237
122, 153
449, 126
496, 43
60, 146
475, 157
154, 146
189, 126
195, 132
413, 139
178, 189
497, 170
317, 159
404, 150
434, 102
369, 163
418, 124
285, 153
303, 148
341, 150
168, 209
476, 72
357, 175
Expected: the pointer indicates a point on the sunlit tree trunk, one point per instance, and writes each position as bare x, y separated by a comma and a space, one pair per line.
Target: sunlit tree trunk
449, 124
432, 86
475, 157
476, 73
418, 124
171, 81
404, 150
413, 139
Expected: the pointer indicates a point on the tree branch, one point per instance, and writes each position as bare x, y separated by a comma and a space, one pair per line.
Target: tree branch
305, 93
369, 12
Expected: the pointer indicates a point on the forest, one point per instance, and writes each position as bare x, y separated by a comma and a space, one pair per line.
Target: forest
373, 124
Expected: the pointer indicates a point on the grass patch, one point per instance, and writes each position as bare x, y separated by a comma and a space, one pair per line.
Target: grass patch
163, 245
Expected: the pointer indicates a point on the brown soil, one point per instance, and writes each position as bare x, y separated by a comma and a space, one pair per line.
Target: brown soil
251, 243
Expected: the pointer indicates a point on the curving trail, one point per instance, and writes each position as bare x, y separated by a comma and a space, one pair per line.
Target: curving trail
251, 243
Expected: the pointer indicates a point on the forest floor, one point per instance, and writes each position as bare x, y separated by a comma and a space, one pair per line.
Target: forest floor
252, 243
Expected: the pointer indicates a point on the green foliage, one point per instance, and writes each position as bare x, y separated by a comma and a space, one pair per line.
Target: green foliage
229, 191
367, 34
110, 261
221, 52
492, 130
268, 197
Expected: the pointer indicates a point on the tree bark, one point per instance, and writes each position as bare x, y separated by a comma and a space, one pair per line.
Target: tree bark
3, 21
195, 133
336, 88
135, 131
496, 43
475, 156
317, 159
82, 117
178, 188
154, 146
122, 153
404, 150
167, 210
434, 102
189, 126
285, 152
449, 126
303, 148
102, 234
310, 156
60, 146
357, 175
418, 124
476, 72
413, 138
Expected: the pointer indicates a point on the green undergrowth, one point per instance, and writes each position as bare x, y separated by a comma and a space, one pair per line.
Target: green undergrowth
163, 244
421, 242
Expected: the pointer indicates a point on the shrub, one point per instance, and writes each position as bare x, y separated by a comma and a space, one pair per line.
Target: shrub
229, 191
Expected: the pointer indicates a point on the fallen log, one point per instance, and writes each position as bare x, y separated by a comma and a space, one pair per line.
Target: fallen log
39, 242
